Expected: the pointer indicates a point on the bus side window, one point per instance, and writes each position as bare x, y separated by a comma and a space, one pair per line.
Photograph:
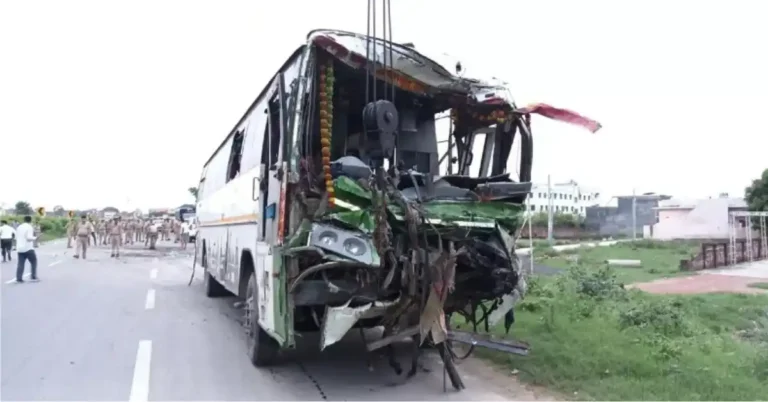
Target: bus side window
269, 158
236, 154
265, 177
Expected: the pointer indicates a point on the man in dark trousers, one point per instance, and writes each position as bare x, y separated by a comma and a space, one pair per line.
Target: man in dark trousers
25, 247
6, 240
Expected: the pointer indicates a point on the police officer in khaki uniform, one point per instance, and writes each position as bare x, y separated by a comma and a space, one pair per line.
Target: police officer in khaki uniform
115, 232
129, 231
70, 232
146, 226
175, 230
101, 231
83, 230
152, 233
93, 232
36, 230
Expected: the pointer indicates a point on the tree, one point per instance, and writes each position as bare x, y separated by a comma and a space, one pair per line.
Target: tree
756, 194
23, 208
59, 210
193, 191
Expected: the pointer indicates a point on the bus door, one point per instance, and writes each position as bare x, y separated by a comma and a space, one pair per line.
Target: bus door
271, 186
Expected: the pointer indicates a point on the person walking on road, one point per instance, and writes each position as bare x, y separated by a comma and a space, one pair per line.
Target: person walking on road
184, 229
70, 232
115, 231
128, 231
93, 232
103, 232
6, 240
83, 230
25, 240
15, 226
37, 231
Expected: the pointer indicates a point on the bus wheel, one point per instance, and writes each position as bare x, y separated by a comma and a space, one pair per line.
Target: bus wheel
262, 349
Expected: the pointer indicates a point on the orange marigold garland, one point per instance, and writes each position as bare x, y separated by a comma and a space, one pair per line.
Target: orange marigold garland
326, 126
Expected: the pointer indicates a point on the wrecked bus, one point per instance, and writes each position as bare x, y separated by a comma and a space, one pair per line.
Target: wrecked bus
325, 212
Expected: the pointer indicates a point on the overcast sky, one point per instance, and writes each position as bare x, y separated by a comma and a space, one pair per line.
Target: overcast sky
121, 102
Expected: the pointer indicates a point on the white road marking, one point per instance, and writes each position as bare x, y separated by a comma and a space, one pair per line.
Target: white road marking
55, 263
153, 273
14, 279
140, 384
150, 303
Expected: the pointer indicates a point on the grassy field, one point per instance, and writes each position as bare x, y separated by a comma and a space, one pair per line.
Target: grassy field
659, 259
593, 340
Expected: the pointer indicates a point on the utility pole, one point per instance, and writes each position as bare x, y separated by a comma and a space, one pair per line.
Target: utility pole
634, 215
550, 214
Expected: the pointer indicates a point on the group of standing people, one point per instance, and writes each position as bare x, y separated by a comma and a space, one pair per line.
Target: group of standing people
117, 232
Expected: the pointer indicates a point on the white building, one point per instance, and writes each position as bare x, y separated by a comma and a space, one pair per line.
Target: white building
568, 197
695, 219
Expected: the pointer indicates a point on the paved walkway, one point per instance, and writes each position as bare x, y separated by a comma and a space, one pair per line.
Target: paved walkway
726, 280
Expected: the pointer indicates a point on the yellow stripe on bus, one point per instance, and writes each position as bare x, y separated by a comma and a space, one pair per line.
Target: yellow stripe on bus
248, 218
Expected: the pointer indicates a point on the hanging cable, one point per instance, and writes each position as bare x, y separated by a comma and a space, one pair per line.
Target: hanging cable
380, 118
388, 17
372, 37
368, 52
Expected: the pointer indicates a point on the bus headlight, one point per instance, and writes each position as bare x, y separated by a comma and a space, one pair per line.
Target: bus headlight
349, 244
328, 238
354, 246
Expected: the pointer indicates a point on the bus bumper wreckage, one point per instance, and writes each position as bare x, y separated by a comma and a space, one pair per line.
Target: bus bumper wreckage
411, 258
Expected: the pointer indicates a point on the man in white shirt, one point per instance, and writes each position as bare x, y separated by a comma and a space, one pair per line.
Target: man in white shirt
25, 247
6, 240
184, 234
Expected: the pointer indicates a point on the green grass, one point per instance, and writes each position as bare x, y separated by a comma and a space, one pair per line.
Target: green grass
48, 236
659, 259
592, 340
759, 285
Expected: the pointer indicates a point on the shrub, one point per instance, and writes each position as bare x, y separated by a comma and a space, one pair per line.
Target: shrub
51, 227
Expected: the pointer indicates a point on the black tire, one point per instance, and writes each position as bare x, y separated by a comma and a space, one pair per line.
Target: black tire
262, 349
212, 287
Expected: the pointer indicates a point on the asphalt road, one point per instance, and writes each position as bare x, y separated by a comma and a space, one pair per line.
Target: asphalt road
131, 329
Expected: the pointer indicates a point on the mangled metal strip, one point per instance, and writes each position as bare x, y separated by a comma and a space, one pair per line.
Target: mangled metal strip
400, 336
507, 345
508, 301
339, 320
